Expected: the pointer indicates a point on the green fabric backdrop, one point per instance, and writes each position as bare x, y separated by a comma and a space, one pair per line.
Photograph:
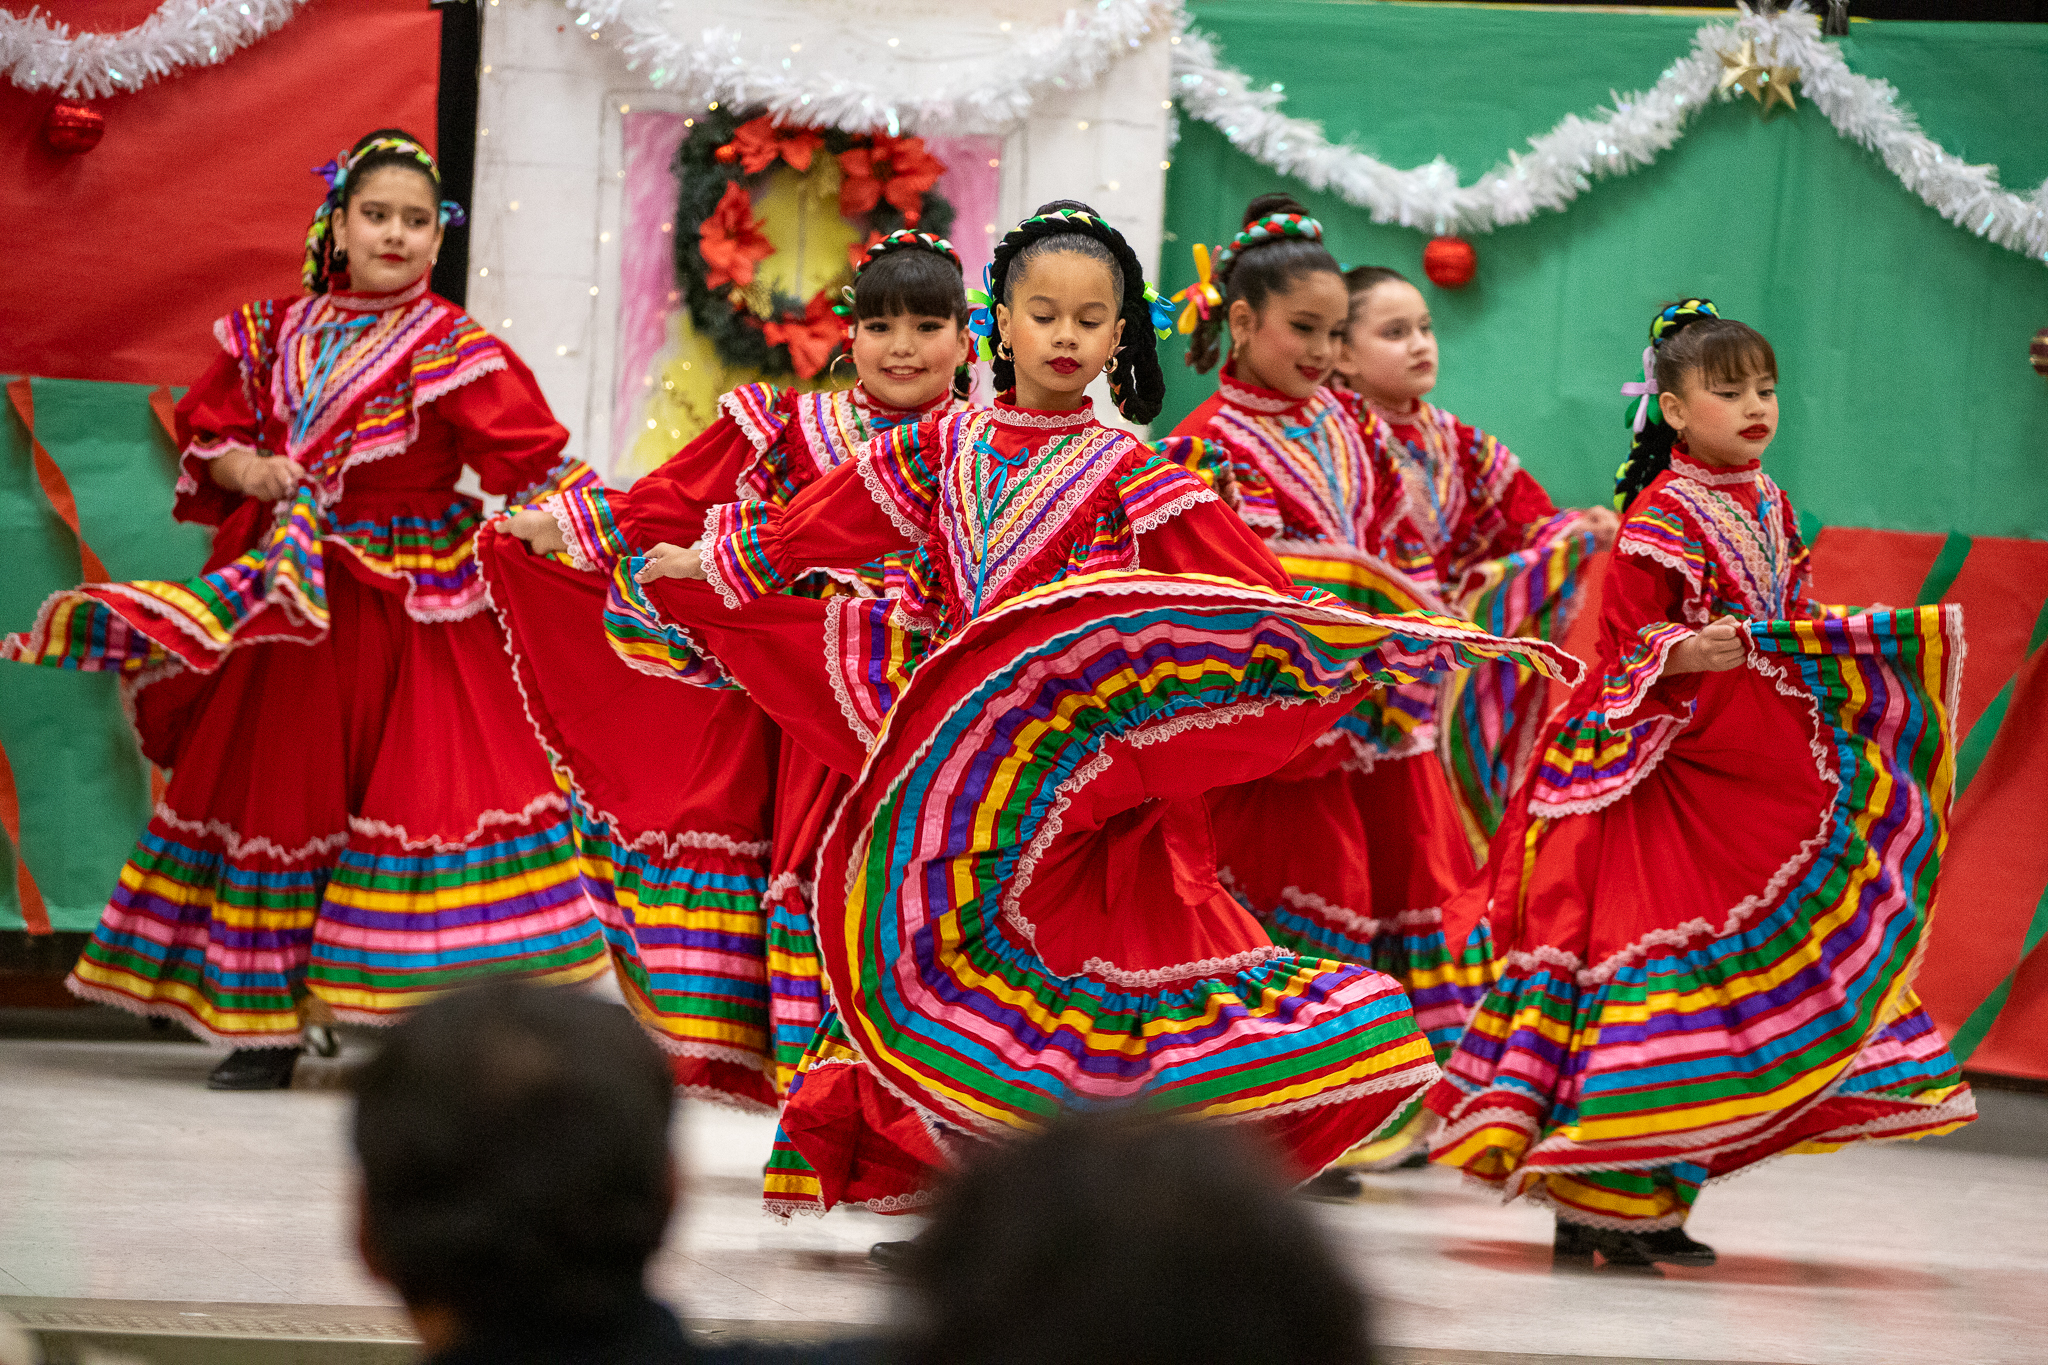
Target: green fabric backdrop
84, 789
1907, 399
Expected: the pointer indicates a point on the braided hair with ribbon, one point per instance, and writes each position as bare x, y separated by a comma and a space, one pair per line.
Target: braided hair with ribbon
326, 265
1067, 225
1279, 244
911, 273
1685, 337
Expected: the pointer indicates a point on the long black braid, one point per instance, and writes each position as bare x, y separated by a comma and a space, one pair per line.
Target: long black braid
1135, 381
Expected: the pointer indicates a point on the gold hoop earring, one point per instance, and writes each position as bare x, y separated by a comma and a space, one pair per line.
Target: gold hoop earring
1003, 350
843, 355
1110, 368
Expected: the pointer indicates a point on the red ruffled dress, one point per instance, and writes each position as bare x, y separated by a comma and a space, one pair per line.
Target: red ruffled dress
1711, 892
1018, 907
699, 819
1352, 849
1486, 539
357, 815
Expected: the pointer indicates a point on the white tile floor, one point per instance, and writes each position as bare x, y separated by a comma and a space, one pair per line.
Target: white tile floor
121, 1178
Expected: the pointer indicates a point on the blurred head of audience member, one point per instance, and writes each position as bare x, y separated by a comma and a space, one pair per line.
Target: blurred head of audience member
1126, 1240
516, 1177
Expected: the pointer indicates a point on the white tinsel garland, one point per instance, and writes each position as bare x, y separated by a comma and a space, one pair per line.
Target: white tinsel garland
991, 93
1562, 163
39, 55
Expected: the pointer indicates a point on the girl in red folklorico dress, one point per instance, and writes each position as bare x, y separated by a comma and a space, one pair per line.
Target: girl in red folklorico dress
1018, 909
701, 818
1300, 848
1711, 892
1482, 535
357, 815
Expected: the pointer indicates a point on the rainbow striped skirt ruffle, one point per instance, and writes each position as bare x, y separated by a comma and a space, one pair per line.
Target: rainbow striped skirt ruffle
1613, 1085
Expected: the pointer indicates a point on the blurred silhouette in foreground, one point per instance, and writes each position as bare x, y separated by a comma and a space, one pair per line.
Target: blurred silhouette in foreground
517, 1180
1126, 1240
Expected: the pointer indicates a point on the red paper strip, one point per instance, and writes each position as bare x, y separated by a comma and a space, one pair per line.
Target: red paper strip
55, 486
34, 914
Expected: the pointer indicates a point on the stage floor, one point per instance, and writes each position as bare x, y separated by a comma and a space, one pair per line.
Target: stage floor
130, 1193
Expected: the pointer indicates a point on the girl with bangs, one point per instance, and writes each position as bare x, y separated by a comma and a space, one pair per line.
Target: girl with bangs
1710, 892
699, 817
1018, 908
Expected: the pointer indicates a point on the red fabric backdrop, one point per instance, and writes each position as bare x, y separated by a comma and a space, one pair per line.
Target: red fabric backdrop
117, 261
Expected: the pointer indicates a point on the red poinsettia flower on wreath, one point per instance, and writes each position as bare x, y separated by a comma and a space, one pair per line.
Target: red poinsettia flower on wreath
811, 340
758, 142
732, 241
898, 169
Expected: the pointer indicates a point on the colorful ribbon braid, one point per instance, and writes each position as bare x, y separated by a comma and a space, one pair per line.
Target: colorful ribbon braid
336, 173
1650, 451
903, 239
1205, 294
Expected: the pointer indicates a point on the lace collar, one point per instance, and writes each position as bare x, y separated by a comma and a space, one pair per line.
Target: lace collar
1254, 398
1710, 476
355, 301
859, 396
1014, 418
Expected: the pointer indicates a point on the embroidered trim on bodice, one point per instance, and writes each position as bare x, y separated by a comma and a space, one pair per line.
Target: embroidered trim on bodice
1750, 552
995, 513
1427, 458
838, 425
1312, 452
327, 359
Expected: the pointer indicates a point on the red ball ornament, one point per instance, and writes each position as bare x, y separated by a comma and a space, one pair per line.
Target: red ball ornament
74, 128
1450, 262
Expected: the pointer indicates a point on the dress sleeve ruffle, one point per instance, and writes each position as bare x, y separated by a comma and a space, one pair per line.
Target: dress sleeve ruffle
215, 417
737, 561
589, 527
1619, 727
876, 505
760, 411
1156, 489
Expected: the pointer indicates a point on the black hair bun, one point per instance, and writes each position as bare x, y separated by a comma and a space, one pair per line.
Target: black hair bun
1268, 204
1065, 206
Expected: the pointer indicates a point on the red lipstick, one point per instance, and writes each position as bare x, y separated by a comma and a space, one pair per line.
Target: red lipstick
1064, 364
1754, 433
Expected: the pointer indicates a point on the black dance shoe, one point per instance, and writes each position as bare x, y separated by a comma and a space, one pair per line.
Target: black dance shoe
1673, 1247
1575, 1244
1333, 1187
255, 1068
893, 1257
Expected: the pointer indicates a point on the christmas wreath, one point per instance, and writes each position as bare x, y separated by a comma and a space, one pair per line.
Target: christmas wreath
885, 184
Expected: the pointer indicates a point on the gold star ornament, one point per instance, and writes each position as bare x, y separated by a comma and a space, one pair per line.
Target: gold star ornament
1739, 70
1769, 86
1778, 82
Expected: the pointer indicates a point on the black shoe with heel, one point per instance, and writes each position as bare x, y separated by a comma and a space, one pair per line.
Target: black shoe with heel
255, 1068
1576, 1244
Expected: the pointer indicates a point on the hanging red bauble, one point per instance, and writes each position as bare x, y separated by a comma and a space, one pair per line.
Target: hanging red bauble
2038, 353
1449, 261
74, 128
